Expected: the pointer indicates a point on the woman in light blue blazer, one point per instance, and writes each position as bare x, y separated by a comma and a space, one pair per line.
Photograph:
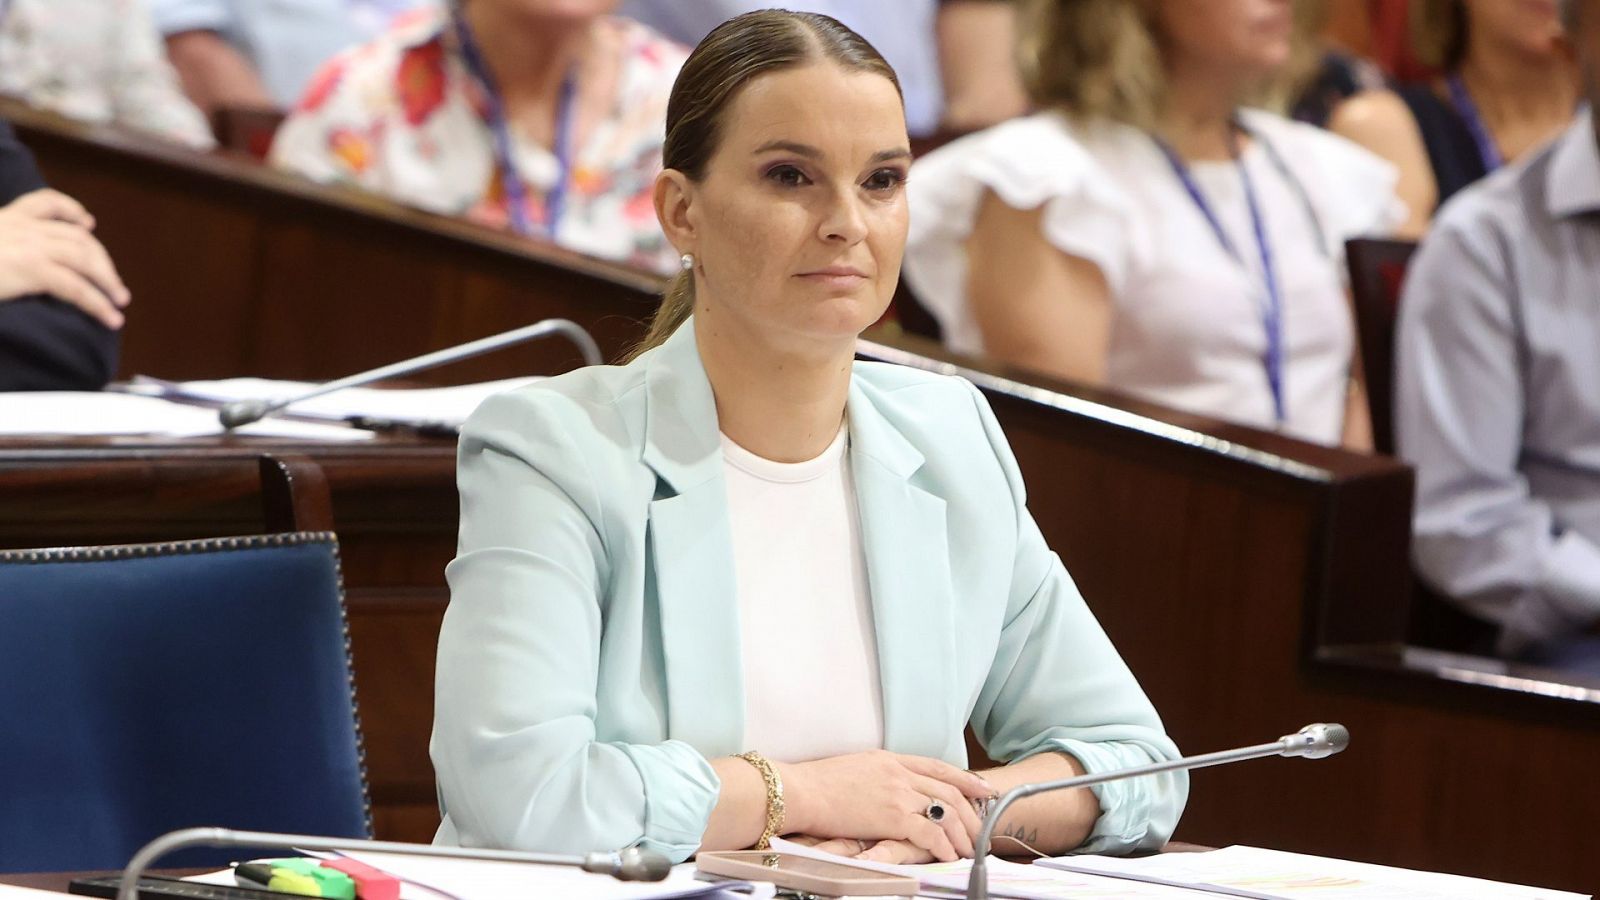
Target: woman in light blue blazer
743, 535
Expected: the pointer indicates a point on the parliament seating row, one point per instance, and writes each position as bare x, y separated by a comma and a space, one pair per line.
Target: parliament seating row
1253, 582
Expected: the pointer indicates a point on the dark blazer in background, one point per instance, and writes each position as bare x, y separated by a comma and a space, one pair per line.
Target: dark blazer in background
45, 344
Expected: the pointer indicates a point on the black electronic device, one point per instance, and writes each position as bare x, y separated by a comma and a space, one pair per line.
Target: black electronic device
163, 887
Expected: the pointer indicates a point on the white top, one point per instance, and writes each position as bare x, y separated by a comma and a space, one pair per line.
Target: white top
1187, 329
811, 687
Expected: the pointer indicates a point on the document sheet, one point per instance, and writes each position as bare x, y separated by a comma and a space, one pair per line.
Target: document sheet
58, 413
443, 407
1277, 875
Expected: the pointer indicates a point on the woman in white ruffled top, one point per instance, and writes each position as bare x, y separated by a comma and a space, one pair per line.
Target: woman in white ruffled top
1146, 233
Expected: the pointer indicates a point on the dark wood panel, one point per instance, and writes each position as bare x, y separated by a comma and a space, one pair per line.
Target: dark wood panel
1253, 582
394, 508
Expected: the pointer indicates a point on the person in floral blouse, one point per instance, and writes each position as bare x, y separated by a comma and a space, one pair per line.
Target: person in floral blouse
539, 117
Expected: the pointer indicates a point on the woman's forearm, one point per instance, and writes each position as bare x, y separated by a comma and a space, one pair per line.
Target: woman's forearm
740, 815
1052, 823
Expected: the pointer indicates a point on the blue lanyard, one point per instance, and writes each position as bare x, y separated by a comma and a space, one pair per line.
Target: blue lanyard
1461, 99
516, 190
1272, 303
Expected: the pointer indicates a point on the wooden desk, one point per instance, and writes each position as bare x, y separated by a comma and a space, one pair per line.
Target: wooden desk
1253, 582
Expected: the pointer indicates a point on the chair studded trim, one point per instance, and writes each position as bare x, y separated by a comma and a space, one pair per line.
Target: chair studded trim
229, 545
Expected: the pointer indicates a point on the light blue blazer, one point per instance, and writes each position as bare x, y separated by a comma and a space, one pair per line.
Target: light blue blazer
589, 661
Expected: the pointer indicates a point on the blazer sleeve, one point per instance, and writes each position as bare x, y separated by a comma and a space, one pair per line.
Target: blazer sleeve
514, 741
1057, 684
46, 345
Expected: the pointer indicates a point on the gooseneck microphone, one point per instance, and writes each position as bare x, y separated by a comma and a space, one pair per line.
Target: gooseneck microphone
243, 412
1311, 742
631, 864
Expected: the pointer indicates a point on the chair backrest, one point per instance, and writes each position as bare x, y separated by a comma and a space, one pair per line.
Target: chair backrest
1377, 272
145, 688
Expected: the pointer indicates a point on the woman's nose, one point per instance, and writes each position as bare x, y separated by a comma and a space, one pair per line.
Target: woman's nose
844, 220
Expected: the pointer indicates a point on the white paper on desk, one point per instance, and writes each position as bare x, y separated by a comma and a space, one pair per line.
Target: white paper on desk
1277, 875
534, 888
89, 413
15, 892
470, 879
1012, 880
412, 406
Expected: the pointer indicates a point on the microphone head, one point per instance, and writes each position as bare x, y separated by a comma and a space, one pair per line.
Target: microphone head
241, 412
642, 865
1316, 741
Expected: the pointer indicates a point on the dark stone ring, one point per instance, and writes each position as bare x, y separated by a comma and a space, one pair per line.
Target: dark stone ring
934, 812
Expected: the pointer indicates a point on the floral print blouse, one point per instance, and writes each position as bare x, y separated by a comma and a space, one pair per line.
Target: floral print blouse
98, 61
403, 116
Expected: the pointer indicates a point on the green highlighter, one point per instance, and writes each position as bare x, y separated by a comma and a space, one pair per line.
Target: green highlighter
297, 875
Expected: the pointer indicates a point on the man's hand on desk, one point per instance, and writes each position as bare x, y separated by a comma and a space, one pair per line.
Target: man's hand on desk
46, 247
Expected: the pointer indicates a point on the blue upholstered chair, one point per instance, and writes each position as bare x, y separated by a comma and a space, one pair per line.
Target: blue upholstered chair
145, 688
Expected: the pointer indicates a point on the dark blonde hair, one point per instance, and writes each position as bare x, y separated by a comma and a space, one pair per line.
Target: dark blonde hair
1102, 59
730, 57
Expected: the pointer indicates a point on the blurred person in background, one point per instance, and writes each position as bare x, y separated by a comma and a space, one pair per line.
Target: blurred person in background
1326, 74
954, 58
261, 54
540, 117
96, 61
1497, 393
1507, 85
1149, 233
61, 300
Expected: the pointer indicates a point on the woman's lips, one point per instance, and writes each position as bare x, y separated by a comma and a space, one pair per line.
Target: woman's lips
835, 276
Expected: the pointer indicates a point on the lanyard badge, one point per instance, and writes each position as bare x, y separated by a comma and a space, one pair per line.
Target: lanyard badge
1271, 305
515, 189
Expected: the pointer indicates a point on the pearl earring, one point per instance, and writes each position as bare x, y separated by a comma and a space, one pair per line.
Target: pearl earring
686, 262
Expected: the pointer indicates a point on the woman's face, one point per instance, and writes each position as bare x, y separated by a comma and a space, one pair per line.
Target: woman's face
799, 221
1532, 27
1251, 37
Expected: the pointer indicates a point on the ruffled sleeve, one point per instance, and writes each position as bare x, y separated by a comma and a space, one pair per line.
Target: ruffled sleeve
1027, 163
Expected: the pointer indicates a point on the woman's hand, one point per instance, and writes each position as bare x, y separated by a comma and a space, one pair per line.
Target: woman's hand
881, 796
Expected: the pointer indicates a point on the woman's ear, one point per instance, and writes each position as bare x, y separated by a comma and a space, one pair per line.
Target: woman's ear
674, 197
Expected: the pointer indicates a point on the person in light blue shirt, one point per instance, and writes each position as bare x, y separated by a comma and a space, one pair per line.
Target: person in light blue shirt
1497, 395
743, 586
953, 57
262, 53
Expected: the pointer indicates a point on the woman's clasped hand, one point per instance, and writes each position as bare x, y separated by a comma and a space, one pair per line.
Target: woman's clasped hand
875, 805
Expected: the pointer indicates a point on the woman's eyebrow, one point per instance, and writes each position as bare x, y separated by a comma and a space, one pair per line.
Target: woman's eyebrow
798, 149
811, 152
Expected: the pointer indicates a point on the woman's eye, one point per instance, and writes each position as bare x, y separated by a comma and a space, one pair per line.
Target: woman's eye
885, 180
788, 176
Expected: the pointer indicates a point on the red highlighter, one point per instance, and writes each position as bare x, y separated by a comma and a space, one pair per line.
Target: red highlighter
371, 884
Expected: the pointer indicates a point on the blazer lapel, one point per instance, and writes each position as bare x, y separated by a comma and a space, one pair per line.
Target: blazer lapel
691, 552
905, 541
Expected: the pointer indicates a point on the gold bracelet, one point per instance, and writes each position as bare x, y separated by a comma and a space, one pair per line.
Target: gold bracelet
775, 809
